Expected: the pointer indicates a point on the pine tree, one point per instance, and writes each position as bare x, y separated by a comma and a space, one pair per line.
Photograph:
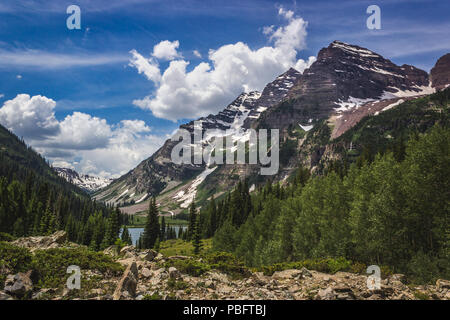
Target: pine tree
196, 237
192, 220
163, 229
151, 230
126, 238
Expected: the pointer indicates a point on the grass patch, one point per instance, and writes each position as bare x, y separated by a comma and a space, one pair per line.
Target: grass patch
154, 296
326, 265
177, 284
175, 247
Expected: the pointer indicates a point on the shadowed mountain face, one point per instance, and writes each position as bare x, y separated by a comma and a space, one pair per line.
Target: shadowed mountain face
440, 74
344, 78
343, 73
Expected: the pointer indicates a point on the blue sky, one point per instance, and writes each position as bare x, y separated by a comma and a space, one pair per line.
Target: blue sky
88, 77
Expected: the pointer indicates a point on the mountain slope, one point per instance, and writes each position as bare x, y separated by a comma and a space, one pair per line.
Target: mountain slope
345, 84
34, 200
84, 181
159, 174
344, 77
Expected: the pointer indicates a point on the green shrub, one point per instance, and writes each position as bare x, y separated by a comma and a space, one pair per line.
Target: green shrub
14, 259
191, 267
51, 264
177, 284
155, 296
6, 237
227, 263
421, 296
326, 265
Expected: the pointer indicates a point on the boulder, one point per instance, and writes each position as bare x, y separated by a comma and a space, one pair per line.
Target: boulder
326, 294
112, 251
4, 296
127, 284
19, 284
148, 255
287, 274
128, 252
146, 272
398, 277
174, 273
442, 284
55, 240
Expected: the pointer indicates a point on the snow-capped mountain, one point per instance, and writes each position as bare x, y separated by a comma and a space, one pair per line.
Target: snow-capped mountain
84, 181
345, 76
343, 79
158, 172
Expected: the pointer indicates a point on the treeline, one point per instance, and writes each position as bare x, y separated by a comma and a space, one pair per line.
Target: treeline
35, 201
155, 232
388, 211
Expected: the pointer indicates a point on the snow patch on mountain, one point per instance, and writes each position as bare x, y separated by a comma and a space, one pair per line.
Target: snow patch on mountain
186, 198
84, 181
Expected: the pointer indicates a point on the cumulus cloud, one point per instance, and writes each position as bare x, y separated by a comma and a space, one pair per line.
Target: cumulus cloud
166, 50
231, 69
80, 141
30, 116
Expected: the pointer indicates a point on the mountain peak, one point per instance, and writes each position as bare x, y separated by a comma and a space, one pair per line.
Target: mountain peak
440, 74
84, 181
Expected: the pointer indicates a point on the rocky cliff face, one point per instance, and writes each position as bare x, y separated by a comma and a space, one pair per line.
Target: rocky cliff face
343, 77
440, 74
159, 173
346, 83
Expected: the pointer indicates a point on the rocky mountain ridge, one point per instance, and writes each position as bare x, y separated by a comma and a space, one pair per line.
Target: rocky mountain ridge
158, 173
84, 181
344, 84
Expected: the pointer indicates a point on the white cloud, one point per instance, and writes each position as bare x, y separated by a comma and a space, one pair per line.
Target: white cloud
80, 131
149, 67
232, 68
81, 142
19, 76
166, 50
30, 116
50, 60
1, 95
197, 53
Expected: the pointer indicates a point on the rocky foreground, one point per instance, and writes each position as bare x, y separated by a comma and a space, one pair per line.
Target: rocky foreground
147, 275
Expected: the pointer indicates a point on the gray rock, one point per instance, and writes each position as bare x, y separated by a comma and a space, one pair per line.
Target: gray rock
287, 274
326, 294
19, 284
174, 273
127, 284
442, 284
146, 273
4, 296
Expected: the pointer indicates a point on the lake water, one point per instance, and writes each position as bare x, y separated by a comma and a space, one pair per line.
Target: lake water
135, 233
